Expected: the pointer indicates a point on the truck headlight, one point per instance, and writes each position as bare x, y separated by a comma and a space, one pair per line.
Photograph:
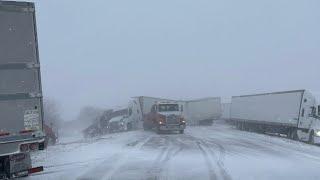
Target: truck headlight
317, 133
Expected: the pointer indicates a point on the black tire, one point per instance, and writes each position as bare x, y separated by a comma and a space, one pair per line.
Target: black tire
289, 134
129, 127
145, 127
242, 126
311, 138
181, 131
294, 134
158, 130
238, 125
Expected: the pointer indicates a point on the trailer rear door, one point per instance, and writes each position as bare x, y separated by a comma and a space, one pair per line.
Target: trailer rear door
20, 83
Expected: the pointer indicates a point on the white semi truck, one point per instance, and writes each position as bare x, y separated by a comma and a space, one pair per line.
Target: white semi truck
125, 119
294, 113
21, 112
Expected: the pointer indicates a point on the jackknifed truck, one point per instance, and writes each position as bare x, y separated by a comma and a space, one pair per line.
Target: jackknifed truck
292, 113
21, 108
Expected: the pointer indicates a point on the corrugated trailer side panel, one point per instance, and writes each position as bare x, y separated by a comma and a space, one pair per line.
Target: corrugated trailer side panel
272, 108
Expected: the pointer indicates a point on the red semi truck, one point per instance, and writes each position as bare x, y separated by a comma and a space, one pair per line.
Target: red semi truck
165, 116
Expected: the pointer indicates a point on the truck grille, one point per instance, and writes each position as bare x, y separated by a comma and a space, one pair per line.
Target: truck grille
172, 119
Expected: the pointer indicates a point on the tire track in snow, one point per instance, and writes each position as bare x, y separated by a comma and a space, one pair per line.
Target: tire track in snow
217, 156
221, 157
108, 168
212, 173
159, 169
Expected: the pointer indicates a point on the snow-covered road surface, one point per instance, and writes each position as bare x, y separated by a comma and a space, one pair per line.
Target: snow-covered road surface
215, 152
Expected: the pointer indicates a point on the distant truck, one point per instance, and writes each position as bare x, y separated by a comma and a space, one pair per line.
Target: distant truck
202, 111
161, 115
21, 108
294, 113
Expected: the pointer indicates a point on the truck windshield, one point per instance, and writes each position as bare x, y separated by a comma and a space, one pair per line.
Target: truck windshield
168, 107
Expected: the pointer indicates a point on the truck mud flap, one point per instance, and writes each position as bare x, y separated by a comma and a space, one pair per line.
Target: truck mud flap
35, 170
28, 172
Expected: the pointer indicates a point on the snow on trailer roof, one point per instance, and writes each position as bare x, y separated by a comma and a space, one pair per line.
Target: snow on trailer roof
119, 108
179, 100
279, 92
148, 97
167, 102
201, 99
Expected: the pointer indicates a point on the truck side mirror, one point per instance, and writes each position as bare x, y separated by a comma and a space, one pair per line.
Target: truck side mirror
181, 108
318, 110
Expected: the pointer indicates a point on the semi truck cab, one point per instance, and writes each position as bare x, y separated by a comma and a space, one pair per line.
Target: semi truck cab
165, 116
313, 136
309, 120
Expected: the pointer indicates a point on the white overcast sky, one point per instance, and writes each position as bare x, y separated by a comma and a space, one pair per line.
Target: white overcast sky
103, 52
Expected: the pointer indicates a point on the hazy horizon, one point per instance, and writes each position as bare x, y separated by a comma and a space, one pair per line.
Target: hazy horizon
101, 53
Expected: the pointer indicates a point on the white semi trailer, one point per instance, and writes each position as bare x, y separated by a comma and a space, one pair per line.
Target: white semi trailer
294, 113
195, 112
202, 111
21, 112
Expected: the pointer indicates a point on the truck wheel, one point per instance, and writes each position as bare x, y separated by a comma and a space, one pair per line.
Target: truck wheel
242, 126
311, 138
181, 131
145, 127
289, 134
294, 134
238, 125
129, 127
158, 131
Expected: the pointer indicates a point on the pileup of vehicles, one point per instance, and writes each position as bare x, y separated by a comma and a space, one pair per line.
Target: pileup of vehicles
161, 115
294, 113
21, 113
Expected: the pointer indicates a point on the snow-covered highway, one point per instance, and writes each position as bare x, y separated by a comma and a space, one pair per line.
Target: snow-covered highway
213, 152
